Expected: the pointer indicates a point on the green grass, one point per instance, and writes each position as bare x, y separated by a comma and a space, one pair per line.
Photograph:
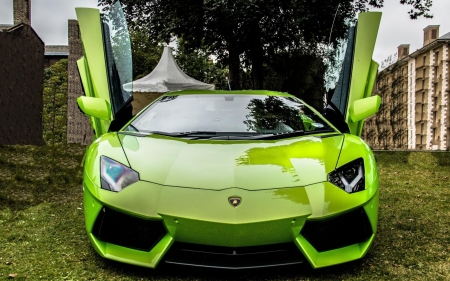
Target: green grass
42, 234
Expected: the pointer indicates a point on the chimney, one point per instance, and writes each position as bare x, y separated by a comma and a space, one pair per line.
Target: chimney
402, 51
22, 11
430, 33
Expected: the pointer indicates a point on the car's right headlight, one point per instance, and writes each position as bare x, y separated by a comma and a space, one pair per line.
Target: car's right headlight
349, 177
116, 176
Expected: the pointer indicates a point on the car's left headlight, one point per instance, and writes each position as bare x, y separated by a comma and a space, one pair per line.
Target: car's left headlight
349, 177
116, 176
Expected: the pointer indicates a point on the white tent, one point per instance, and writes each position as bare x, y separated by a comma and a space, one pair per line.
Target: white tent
166, 77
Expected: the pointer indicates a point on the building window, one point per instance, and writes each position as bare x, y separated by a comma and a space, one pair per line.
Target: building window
424, 60
433, 34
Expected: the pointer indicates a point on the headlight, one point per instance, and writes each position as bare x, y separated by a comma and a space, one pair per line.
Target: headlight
115, 176
349, 177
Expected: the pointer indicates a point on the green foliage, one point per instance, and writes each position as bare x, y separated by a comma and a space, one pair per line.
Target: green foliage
199, 65
420, 8
299, 75
244, 35
195, 63
145, 53
270, 114
54, 114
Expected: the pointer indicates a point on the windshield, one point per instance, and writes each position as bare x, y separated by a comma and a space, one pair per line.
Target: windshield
254, 114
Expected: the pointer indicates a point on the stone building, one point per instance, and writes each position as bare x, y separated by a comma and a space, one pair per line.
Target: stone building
55, 53
23, 60
414, 113
79, 129
21, 78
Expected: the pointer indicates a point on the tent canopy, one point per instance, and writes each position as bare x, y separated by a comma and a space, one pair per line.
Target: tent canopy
167, 77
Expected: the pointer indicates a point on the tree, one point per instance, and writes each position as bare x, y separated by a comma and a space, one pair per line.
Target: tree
247, 33
196, 63
55, 103
241, 29
305, 82
145, 53
420, 8
199, 65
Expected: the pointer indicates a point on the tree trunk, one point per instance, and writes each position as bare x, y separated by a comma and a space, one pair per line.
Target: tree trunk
256, 57
233, 68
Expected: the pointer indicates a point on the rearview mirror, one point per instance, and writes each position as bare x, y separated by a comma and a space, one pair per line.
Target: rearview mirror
95, 107
363, 108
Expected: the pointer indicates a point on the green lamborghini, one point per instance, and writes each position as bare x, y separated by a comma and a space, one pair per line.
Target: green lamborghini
226, 179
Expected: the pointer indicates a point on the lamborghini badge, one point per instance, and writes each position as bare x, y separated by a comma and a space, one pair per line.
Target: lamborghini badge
235, 201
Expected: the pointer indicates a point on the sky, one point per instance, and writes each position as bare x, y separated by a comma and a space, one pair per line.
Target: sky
49, 20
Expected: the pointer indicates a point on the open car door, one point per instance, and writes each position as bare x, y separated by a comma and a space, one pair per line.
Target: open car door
105, 67
351, 101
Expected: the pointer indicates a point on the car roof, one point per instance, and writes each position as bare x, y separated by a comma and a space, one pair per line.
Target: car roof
223, 92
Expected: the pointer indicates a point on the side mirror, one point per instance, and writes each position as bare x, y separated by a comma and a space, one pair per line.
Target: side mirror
363, 108
95, 107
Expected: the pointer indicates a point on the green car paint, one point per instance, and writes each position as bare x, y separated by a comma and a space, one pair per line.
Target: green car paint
363, 69
185, 184
361, 109
277, 204
92, 66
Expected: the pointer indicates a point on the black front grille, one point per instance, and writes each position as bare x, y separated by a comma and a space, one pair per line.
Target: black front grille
128, 231
234, 258
347, 229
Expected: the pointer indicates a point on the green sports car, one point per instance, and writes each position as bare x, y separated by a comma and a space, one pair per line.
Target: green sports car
226, 179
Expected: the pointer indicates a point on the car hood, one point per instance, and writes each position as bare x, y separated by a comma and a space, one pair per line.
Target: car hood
218, 165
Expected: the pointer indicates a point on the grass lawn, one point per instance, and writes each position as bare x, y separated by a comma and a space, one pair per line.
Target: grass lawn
42, 234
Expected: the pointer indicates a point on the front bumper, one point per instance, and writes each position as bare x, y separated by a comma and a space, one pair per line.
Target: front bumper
187, 216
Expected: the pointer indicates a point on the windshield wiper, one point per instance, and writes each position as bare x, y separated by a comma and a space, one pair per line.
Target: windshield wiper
185, 134
274, 136
320, 131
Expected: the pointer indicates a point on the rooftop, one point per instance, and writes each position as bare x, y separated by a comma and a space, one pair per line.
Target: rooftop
444, 37
56, 50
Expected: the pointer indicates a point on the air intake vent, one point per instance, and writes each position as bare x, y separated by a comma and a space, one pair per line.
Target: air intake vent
128, 231
347, 229
234, 258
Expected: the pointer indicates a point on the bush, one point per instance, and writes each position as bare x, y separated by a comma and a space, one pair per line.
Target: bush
54, 114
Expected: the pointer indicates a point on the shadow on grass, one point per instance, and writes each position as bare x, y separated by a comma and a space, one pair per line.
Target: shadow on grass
443, 158
174, 272
35, 174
